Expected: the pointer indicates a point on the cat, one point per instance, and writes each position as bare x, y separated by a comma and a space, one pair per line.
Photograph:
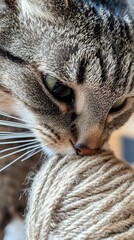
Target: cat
70, 65
68, 69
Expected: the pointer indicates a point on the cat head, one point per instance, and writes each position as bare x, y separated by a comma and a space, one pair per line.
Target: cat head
70, 66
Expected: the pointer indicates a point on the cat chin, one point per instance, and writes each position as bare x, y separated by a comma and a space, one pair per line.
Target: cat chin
49, 152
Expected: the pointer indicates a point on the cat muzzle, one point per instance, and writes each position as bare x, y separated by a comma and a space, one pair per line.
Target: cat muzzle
83, 150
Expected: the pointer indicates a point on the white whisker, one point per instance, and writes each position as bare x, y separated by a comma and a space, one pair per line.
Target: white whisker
9, 133
20, 150
16, 147
1, 132
13, 117
14, 136
15, 160
30, 155
15, 124
27, 148
20, 141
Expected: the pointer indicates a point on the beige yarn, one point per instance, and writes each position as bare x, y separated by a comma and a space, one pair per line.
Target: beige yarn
82, 198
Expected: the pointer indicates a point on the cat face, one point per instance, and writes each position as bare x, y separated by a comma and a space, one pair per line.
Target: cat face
71, 69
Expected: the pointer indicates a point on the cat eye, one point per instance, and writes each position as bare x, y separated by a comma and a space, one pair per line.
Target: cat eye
117, 106
58, 89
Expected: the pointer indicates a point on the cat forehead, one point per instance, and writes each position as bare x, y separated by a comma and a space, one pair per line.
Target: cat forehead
67, 57
81, 27
66, 48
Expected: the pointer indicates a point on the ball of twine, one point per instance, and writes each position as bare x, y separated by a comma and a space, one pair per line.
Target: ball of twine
82, 198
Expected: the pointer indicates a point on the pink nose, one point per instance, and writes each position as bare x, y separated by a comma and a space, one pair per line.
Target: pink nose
83, 150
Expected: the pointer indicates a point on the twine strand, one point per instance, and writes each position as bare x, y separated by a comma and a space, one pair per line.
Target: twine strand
82, 198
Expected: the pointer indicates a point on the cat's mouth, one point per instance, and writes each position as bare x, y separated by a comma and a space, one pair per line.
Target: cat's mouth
63, 145
51, 144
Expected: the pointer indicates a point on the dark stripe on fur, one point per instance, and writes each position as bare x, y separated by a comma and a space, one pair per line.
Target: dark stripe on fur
119, 52
103, 70
127, 31
131, 85
126, 82
81, 71
111, 20
7, 54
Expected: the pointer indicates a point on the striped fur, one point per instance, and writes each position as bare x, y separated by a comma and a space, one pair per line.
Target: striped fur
88, 46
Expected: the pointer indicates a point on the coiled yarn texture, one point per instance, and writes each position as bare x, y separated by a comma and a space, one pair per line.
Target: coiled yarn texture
82, 198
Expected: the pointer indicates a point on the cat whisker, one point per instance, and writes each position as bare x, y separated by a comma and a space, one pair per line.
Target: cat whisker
15, 124
16, 147
19, 158
19, 141
1, 132
9, 133
14, 136
20, 150
31, 154
15, 118
27, 149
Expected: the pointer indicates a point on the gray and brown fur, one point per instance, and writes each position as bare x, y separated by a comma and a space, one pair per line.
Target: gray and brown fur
87, 45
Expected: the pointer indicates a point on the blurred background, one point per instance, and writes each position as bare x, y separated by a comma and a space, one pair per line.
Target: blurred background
122, 141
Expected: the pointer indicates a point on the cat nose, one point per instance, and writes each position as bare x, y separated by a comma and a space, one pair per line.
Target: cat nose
83, 150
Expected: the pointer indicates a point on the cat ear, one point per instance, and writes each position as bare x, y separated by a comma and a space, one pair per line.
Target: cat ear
48, 9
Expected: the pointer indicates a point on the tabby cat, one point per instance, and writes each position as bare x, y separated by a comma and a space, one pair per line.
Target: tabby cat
71, 66
68, 67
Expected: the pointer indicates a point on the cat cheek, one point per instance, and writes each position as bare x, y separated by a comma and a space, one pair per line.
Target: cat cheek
54, 143
63, 148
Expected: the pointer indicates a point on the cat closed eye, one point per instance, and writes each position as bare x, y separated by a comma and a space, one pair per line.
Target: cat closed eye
58, 89
118, 105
